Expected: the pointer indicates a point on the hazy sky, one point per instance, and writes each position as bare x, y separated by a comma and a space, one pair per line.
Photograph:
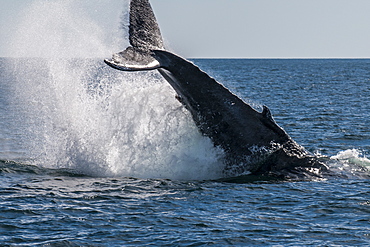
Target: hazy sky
206, 28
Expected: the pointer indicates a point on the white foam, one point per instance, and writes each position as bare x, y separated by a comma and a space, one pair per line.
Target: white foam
352, 156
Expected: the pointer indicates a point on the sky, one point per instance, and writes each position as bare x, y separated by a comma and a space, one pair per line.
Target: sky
195, 28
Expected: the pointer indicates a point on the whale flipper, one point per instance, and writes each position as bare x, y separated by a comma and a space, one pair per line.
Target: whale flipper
144, 36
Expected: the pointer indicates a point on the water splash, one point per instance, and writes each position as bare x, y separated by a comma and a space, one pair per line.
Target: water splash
351, 162
80, 114
352, 156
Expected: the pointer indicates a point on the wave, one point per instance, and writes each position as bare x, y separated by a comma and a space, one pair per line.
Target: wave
353, 156
12, 167
350, 163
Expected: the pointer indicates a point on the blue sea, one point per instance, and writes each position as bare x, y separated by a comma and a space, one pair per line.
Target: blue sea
91, 156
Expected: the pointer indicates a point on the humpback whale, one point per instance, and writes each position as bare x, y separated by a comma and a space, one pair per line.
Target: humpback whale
252, 141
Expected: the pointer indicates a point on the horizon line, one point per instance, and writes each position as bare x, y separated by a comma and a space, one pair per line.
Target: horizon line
278, 57
204, 57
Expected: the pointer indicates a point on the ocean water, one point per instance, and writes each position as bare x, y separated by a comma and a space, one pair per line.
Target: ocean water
96, 157
90, 156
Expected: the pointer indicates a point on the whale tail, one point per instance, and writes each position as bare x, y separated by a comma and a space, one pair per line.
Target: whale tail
144, 37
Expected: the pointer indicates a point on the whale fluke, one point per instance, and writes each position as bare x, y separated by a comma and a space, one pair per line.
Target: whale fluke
144, 36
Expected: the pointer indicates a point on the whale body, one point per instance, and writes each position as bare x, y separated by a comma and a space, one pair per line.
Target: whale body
252, 141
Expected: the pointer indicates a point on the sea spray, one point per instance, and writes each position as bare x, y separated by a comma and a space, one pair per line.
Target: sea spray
78, 113
82, 115
68, 28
